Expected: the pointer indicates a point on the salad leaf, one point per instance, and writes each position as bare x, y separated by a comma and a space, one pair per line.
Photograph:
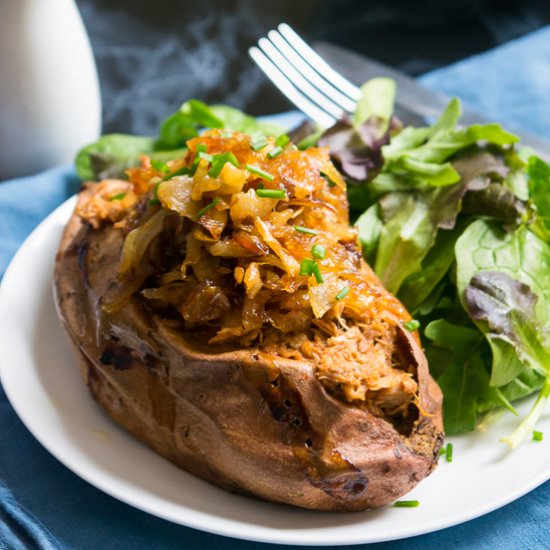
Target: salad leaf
447, 204
418, 286
369, 226
521, 341
194, 115
497, 201
356, 152
355, 145
412, 221
425, 151
539, 191
375, 104
464, 379
508, 308
111, 154
233, 119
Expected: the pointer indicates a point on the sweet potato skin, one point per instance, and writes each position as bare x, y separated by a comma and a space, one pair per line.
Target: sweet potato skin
247, 421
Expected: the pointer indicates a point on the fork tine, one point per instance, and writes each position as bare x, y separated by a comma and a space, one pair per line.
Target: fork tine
316, 61
289, 90
298, 80
310, 73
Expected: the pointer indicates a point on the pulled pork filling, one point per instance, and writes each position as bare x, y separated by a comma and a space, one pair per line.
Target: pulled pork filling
251, 247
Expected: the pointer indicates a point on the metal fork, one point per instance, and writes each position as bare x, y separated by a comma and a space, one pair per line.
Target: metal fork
324, 95
304, 77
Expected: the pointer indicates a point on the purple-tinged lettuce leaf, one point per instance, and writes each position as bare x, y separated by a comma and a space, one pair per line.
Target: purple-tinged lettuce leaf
515, 323
356, 153
507, 307
497, 201
355, 144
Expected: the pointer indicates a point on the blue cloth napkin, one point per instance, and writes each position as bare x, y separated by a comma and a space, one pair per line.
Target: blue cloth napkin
44, 505
510, 84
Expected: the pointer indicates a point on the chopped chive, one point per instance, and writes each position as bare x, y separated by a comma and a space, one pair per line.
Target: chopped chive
258, 142
204, 210
306, 230
282, 140
206, 156
406, 504
155, 200
331, 183
442, 451
219, 161
412, 325
318, 251
449, 452
275, 152
316, 270
201, 148
343, 293
306, 267
160, 166
118, 197
259, 172
311, 267
537, 436
271, 193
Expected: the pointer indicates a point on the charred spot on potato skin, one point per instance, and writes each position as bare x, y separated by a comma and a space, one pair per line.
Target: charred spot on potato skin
117, 357
346, 486
324, 467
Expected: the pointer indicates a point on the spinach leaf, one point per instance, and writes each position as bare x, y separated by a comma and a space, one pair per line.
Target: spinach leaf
464, 379
195, 115
233, 119
112, 153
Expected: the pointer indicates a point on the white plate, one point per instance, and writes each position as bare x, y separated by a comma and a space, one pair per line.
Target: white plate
42, 381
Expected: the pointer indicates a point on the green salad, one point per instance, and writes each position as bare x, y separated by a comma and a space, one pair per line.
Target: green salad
454, 220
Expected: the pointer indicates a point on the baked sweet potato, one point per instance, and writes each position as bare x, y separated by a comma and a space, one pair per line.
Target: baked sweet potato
240, 334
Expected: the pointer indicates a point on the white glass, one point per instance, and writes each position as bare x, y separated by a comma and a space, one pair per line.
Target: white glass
50, 103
